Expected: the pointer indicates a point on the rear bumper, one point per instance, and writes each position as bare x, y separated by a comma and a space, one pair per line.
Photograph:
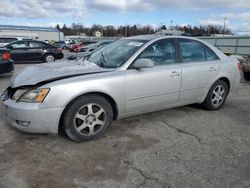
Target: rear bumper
6, 67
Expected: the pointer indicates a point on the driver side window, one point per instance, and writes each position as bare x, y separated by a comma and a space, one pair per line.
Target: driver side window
161, 52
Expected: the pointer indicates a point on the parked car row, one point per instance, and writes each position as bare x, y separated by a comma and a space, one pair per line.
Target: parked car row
31, 51
88, 49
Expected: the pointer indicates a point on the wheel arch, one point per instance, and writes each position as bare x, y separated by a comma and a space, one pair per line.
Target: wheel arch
226, 80
223, 78
106, 96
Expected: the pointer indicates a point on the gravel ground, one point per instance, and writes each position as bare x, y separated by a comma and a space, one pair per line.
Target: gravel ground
179, 147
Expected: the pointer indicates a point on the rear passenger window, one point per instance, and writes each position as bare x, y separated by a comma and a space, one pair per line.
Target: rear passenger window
34, 44
210, 55
192, 51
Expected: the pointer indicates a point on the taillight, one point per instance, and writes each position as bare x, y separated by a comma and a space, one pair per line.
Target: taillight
239, 66
5, 56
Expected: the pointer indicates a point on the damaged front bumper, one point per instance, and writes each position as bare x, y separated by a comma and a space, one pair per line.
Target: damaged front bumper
30, 117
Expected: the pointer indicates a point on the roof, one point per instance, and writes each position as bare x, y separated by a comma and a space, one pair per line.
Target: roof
27, 28
144, 37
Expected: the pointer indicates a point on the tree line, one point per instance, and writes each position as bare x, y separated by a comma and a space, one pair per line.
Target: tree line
132, 30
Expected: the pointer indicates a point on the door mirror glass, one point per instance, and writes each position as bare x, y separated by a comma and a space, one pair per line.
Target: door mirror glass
143, 63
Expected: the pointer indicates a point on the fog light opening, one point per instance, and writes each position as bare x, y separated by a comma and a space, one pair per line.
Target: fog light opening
23, 123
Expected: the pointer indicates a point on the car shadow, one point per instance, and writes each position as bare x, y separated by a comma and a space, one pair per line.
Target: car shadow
6, 75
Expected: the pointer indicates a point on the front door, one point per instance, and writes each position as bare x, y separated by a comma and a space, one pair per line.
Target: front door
19, 51
152, 88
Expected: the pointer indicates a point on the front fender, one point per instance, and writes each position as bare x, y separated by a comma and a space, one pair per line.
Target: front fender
61, 95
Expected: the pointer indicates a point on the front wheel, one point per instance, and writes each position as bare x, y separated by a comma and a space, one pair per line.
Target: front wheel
87, 118
216, 96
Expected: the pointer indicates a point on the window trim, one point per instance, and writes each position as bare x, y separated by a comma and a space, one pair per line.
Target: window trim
37, 47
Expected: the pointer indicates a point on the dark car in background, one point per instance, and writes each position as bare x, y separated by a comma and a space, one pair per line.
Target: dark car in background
77, 47
80, 55
92, 47
6, 40
62, 44
33, 51
6, 64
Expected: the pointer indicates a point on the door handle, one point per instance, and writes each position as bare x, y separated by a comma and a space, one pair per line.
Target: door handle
174, 74
212, 69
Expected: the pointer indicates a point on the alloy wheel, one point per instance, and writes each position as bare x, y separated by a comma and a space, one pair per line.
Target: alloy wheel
50, 59
89, 119
218, 95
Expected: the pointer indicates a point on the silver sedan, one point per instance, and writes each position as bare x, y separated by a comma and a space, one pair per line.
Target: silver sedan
128, 77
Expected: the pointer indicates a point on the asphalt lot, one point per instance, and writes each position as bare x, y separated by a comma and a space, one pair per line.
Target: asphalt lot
180, 147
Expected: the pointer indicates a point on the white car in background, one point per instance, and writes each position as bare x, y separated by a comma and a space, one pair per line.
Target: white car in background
6, 40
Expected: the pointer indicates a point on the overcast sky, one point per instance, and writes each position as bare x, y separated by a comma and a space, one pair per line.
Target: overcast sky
120, 12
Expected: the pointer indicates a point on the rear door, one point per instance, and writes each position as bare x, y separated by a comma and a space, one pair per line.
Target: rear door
36, 51
152, 88
200, 65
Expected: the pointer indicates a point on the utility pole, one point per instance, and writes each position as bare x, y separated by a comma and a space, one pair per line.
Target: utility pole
224, 27
126, 31
171, 24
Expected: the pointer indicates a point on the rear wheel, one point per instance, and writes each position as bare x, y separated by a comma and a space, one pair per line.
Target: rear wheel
49, 58
216, 96
246, 76
87, 118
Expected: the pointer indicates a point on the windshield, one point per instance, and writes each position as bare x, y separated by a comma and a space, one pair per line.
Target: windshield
116, 53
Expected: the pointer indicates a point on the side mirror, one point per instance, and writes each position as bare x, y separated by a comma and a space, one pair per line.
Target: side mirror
9, 47
143, 63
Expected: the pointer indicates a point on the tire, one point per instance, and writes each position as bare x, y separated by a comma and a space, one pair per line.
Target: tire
246, 76
87, 118
49, 58
216, 96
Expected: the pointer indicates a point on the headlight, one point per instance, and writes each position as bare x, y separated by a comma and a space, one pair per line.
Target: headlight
33, 96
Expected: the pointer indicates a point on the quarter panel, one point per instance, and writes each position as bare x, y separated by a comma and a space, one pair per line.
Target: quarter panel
196, 77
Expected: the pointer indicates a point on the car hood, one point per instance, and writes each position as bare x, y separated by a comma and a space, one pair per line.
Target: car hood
49, 72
